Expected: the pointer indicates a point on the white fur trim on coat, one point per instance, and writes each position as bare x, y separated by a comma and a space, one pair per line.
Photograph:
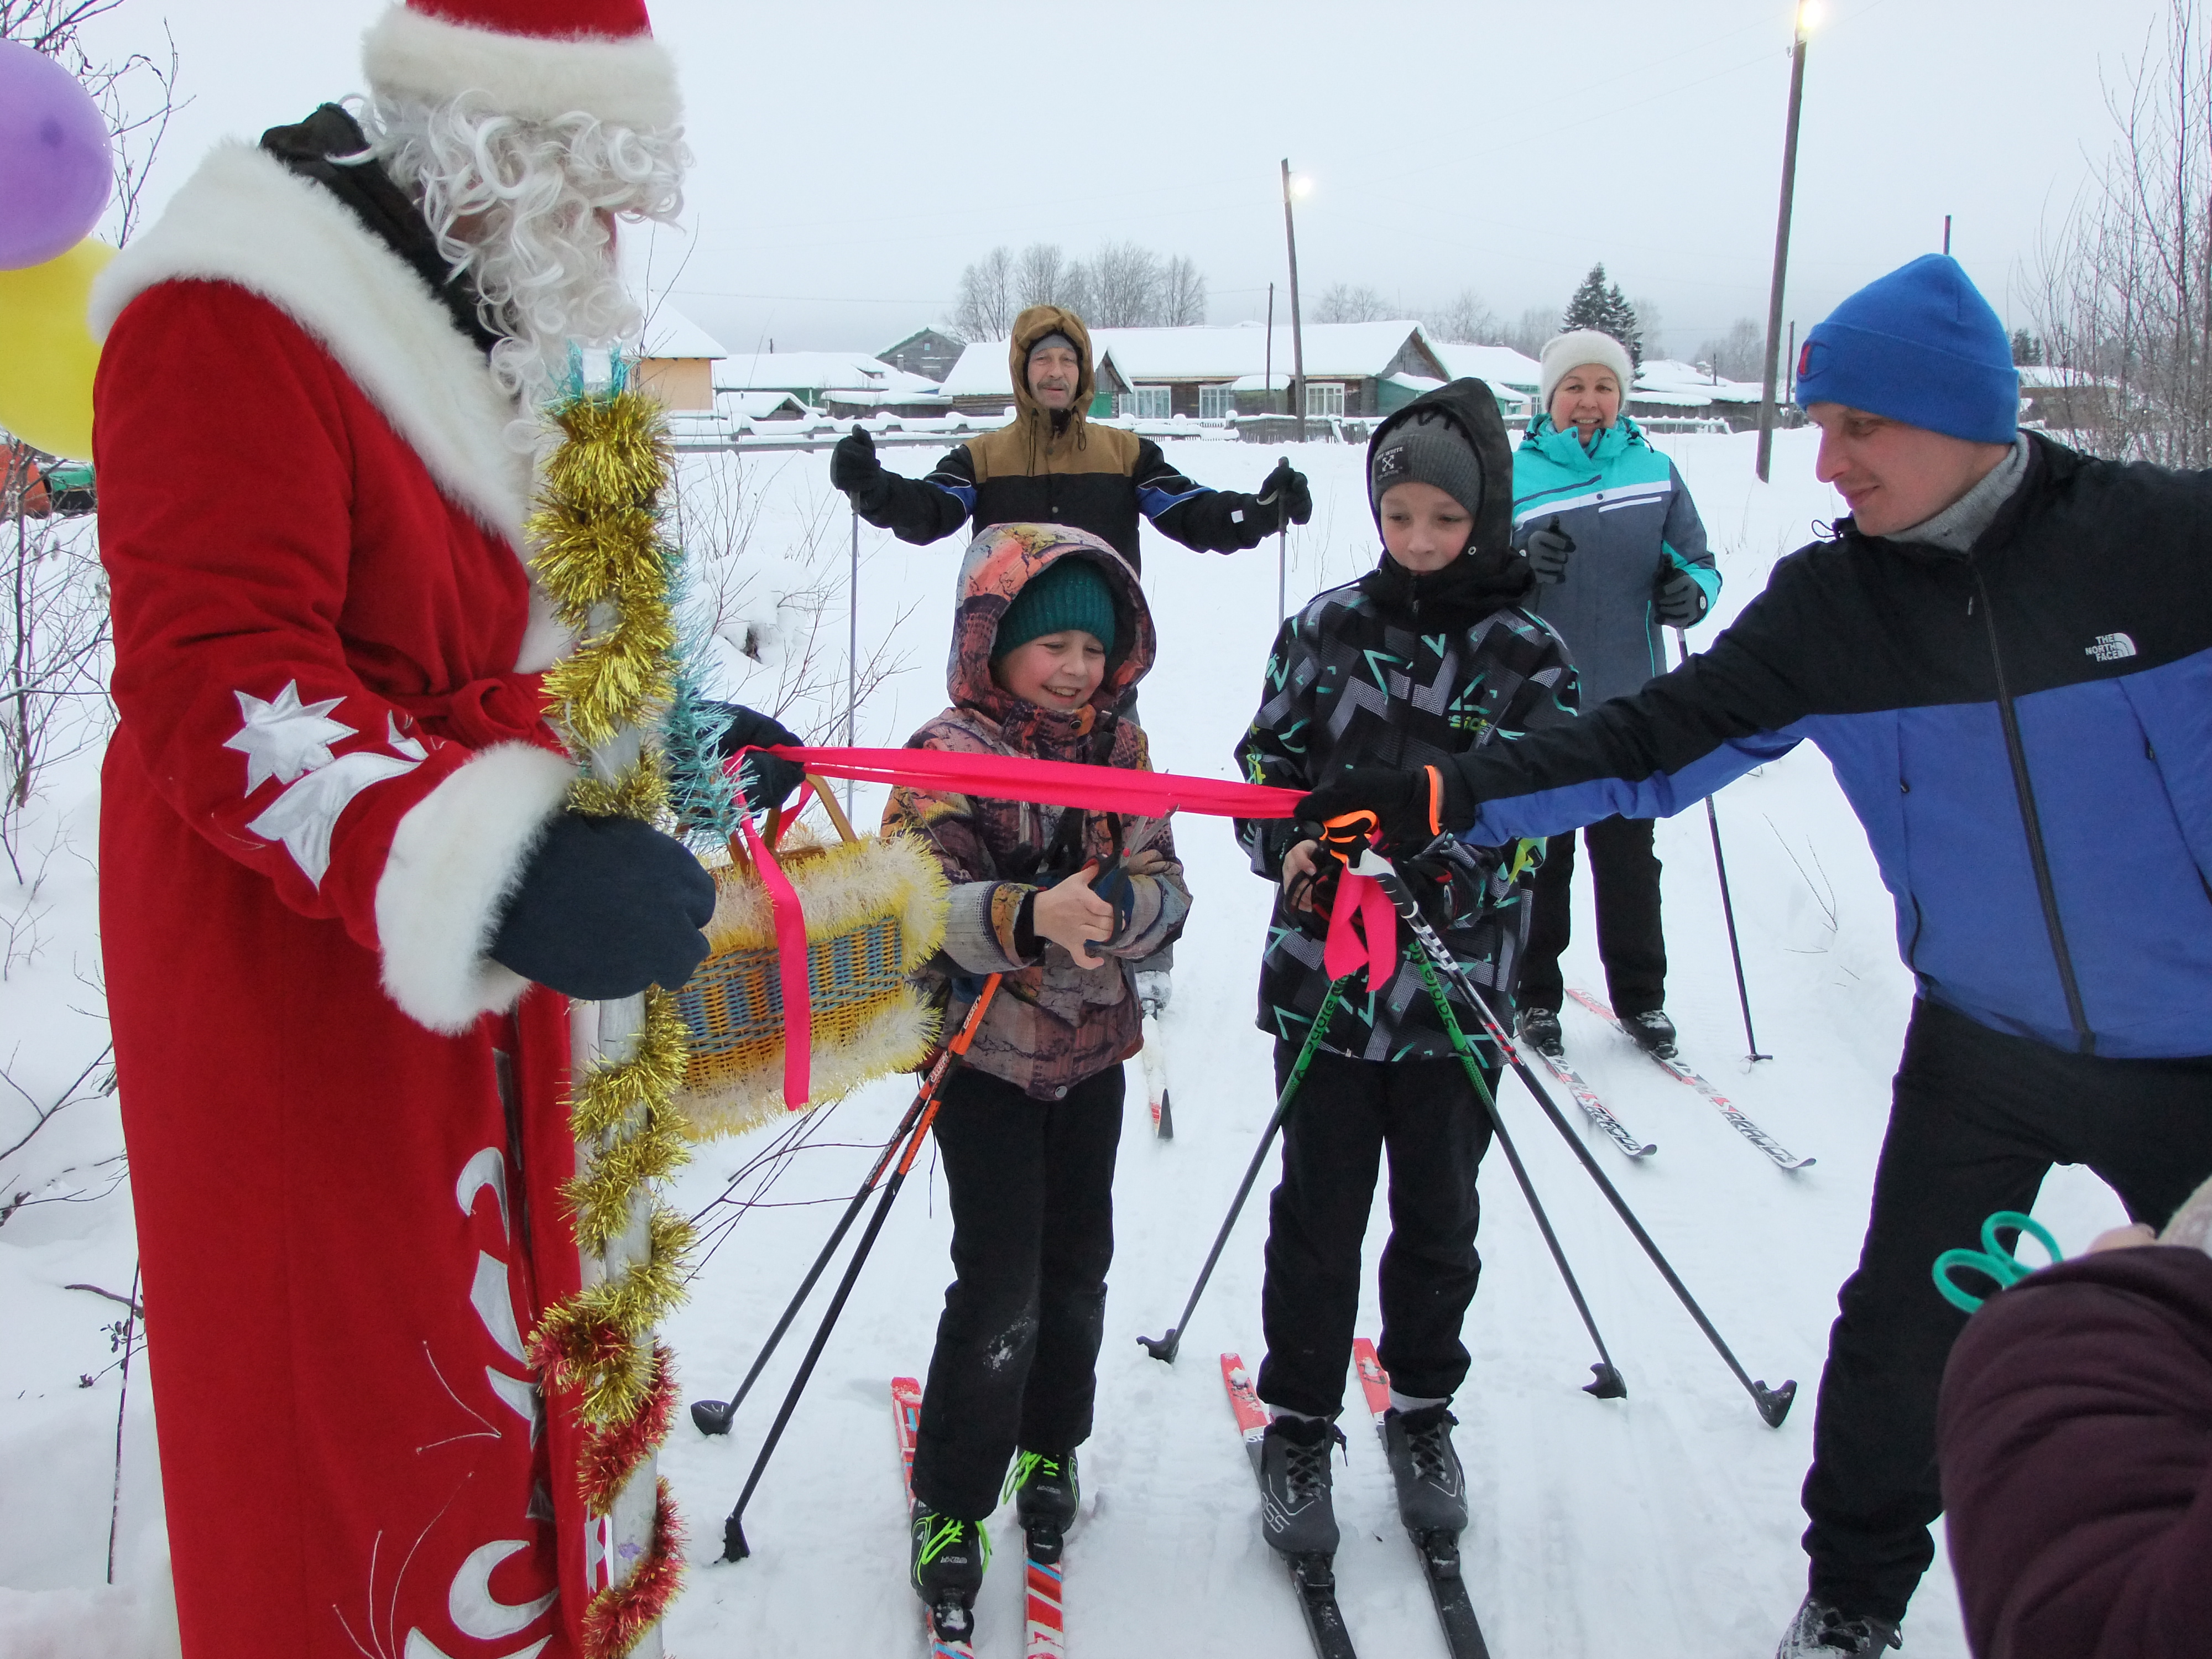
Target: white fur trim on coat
455, 858
625, 83
244, 218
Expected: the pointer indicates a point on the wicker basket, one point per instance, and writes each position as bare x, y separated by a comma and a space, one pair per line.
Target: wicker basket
875, 912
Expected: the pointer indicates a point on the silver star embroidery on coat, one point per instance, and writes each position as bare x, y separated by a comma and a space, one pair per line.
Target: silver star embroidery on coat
303, 816
284, 738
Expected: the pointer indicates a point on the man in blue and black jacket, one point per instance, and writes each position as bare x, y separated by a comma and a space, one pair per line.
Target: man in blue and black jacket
2006, 653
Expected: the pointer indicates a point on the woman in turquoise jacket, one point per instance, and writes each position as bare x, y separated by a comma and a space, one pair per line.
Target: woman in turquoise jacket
1621, 552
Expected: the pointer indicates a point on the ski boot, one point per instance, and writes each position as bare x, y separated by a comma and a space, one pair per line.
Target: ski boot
948, 1558
1822, 1631
1298, 1511
1653, 1032
1540, 1030
1431, 1488
1043, 1487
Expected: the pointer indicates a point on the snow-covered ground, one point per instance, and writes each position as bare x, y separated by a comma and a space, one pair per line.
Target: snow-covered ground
1662, 1525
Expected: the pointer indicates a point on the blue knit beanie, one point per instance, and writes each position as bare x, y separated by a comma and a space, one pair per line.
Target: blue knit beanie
1921, 346
1071, 593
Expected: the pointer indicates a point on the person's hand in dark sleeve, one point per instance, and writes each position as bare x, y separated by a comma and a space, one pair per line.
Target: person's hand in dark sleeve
766, 779
1548, 549
1286, 490
1403, 807
1678, 601
854, 468
606, 907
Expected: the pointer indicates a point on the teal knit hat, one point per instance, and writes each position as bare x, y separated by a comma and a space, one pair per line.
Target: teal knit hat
1072, 593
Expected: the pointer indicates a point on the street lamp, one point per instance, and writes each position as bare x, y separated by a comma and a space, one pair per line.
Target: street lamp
1809, 13
1299, 186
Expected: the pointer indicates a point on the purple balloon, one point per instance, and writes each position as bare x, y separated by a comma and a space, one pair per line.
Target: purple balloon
55, 167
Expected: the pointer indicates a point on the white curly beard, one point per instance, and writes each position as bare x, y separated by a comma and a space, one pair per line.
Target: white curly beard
527, 209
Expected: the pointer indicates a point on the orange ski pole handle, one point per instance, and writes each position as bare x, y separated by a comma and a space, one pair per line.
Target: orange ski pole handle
957, 1049
1348, 835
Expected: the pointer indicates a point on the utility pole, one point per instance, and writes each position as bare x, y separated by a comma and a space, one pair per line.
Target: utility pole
1297, 335
1766, 404
1947, 235
1268, 371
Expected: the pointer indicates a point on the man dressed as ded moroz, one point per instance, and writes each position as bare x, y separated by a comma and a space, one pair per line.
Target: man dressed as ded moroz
2006, 653
343, 902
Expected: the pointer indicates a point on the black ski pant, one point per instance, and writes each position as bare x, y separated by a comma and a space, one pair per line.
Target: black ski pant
1978, 1118
1629, 942
1345, 1113
1030, 1183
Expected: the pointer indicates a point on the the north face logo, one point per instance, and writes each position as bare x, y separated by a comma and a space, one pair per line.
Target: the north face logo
2110, 647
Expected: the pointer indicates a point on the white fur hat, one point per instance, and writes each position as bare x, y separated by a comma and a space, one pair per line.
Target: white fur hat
534, 60
1563, 352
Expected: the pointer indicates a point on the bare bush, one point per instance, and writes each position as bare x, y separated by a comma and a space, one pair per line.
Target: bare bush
780, 613
2123, 294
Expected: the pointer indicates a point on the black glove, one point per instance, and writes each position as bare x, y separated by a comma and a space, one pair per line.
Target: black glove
854, 467
1388, 806
1285, 488
1548, 549
605, 907
1678, 600
767, 779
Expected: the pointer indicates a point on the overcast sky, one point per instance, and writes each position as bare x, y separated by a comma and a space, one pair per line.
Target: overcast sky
850, 158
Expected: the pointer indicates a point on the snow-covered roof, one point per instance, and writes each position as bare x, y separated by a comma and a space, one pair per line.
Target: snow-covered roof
818, 371
1663, 375
670, 333
1501, 366
1333, 351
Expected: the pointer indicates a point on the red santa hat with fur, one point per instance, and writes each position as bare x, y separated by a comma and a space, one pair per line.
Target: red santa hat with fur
535, 59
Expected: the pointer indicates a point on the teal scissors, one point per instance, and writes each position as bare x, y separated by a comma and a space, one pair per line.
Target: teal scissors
1993, 1261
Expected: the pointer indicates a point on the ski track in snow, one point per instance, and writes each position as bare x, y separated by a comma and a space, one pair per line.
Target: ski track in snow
1664, 1524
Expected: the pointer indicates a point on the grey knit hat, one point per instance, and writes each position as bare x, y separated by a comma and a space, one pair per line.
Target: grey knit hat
1428, 449
1054, 338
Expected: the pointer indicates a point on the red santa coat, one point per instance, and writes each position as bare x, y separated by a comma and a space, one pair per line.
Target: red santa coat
330, 765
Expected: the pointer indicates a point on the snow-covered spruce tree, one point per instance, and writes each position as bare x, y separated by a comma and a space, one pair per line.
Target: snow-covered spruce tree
1597, 305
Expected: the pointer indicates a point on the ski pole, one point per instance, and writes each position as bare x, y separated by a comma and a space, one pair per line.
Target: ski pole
1164, 1347
1727, 906
734, 1547
714, 1416
1773, 1404
1606, 1381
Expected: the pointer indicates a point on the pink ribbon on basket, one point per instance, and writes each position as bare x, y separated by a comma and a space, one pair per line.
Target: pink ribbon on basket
791, 963
1374, 946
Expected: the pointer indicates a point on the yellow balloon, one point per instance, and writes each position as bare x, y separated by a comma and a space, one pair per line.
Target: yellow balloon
47, 355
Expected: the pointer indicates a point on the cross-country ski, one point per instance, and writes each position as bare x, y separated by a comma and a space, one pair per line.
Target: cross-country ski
1312, 1577
1676, 1067
945, 1630
1436, 1547
1593, 1107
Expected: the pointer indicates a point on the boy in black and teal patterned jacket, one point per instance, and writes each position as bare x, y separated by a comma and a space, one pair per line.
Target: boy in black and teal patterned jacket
1431, 654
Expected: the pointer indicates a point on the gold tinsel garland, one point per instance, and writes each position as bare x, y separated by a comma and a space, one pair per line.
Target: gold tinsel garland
599, 558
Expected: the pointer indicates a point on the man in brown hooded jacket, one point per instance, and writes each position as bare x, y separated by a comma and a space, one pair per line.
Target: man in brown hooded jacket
1051, 465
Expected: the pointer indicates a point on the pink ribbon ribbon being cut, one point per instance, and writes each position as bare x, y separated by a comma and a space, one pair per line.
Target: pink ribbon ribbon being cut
1373, 945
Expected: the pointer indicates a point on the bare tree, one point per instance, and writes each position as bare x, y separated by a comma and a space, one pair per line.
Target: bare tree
1739, 355
1465, 318
1647, 319
1537, 324
136, 93
1124, 284
1183, 293
1348, 302
53, 594
1042, 275
2124, 292
985, 308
